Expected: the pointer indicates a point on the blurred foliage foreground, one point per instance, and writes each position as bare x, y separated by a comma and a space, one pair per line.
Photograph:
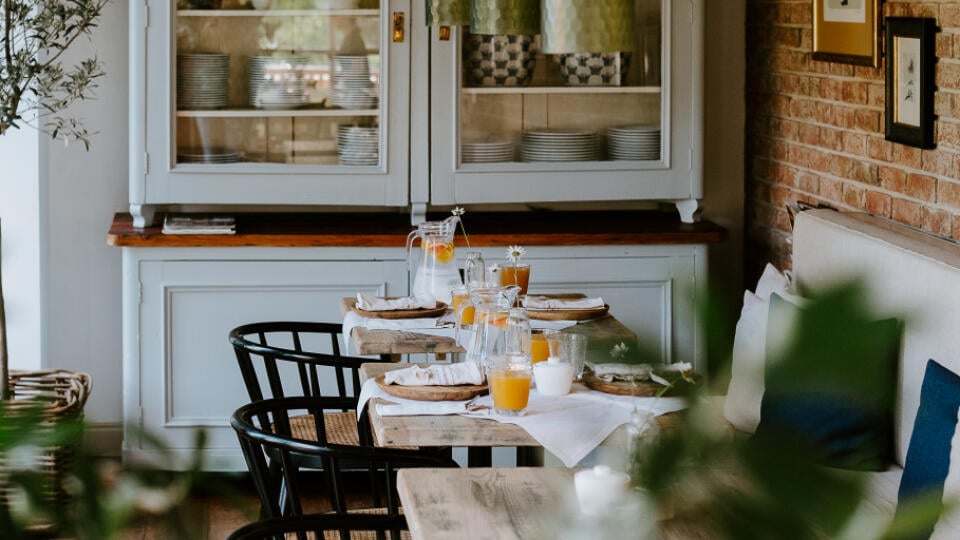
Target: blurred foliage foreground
776, 486
735, 487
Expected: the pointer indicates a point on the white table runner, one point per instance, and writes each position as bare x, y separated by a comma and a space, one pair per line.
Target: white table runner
569, 427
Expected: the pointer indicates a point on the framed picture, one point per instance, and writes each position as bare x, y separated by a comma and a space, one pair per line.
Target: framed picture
909, 80
846, 31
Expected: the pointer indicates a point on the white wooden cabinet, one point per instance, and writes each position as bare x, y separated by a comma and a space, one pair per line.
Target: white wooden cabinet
662, 89
206, 133
180, 373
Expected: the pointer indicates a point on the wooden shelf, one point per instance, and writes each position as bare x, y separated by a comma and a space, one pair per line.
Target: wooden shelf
274, 113
277, 12
561, 90
390, 230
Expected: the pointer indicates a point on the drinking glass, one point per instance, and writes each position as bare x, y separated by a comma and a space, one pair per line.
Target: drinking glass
515, 274
474, 270
509, 377
539, 349
570, 348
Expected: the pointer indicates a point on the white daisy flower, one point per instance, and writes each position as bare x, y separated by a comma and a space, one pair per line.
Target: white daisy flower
515, 252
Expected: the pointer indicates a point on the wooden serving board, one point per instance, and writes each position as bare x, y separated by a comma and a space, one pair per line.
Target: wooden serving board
403, 313
623, 388
568, 314
432, 393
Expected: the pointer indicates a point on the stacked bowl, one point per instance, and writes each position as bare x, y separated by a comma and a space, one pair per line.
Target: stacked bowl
358, 145
278, 82
499, 60
594, 69
636, 142
202, 80
352, 87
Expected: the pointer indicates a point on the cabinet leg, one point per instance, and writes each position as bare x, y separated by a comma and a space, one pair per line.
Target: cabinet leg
687, 208
418, 213
143, 215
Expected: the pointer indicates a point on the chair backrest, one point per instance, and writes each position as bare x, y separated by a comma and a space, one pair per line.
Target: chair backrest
312, 350
313, 527
263, 428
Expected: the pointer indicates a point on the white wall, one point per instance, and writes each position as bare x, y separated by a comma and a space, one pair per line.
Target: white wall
61, 280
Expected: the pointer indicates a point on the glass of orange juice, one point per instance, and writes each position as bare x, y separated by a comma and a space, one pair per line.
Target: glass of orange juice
539, 348
509, 377
515, 274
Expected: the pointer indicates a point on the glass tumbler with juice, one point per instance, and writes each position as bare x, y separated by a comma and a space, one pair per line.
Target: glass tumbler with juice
509, 377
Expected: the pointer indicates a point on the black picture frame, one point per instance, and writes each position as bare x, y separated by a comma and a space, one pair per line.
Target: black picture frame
910, 58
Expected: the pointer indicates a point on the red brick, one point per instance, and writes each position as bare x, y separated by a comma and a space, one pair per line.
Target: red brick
868, 120
878, 203
939, 162
807, 182
876, 95
948, 194
937, 221
855, 92
808, 133
949, 15
879, 148
892, 179
831, 89
908, 156
831, 189
907, 212
854, 197
947, 75
854, 143
921, 186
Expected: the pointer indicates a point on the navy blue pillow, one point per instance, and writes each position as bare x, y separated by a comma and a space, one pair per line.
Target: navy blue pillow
928, 456
838, 423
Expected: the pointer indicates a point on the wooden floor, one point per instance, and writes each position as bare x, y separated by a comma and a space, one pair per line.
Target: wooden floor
215, 516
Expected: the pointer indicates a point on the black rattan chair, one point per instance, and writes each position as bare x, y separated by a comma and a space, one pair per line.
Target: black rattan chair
320, 526
274, 454
289, 359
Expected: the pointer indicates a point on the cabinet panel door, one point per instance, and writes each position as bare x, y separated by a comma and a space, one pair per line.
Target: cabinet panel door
653, 296
630, 131
189, 377
300, 103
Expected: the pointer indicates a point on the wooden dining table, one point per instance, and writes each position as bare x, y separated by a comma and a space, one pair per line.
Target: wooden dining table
522, 503
478, 435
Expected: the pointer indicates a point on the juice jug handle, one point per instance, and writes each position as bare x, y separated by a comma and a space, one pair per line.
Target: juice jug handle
414, 234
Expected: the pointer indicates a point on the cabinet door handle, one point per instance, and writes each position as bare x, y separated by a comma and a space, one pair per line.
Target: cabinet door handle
398, 19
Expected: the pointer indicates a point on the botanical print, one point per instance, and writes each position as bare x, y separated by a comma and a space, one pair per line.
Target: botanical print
851, 11
907, 88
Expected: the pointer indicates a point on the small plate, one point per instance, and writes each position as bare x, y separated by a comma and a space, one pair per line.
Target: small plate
568, 314
403, 313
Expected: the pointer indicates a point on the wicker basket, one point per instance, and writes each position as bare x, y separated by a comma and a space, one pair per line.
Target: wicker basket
61, 396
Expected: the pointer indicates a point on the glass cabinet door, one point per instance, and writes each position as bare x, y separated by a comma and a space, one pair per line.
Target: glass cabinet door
532, 127
275, 101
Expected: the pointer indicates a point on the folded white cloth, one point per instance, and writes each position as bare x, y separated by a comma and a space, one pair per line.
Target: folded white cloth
367, 302
426, 408
637, 372
441, 374
547, 302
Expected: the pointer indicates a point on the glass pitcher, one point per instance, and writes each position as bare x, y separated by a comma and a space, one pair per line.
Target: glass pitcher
437, 271
492, 309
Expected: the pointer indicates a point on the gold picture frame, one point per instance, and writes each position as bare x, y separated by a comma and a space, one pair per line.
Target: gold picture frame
847, 31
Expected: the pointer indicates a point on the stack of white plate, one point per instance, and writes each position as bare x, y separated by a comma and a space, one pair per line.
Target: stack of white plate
209, 155
357, 145
278, 82
487, 151
351, 84
637, 142
202, 80
559, 145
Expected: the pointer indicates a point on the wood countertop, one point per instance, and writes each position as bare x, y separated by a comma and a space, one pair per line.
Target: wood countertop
390, 230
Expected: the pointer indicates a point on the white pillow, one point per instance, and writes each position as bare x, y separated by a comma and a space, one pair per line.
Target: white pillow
742, 405
948, 526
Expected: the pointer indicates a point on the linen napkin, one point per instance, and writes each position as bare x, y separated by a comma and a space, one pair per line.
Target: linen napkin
547, 302
439, 374
637, 372
368, 302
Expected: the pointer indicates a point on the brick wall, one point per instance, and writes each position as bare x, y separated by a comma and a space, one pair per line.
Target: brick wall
814, 131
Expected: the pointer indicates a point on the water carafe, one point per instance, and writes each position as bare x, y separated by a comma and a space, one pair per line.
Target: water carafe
437, 271
492, 310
